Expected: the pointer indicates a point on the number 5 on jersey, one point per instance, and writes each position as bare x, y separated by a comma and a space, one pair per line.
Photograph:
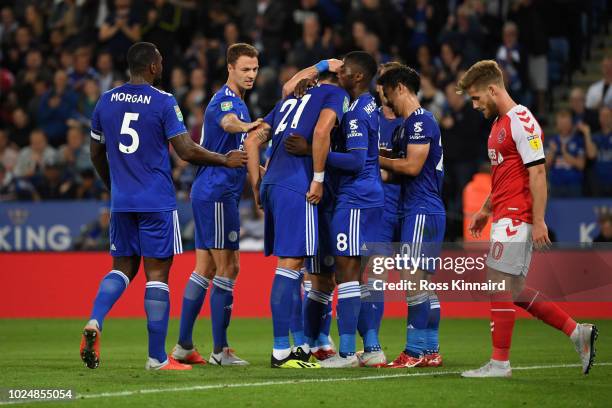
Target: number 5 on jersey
127, 130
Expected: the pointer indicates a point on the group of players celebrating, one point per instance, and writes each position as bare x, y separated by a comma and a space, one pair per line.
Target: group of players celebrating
340, 172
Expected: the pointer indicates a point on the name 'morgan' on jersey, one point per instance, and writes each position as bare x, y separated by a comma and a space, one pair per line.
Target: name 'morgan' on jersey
219, 183
422, 194
293, 116
359, 130
136, 122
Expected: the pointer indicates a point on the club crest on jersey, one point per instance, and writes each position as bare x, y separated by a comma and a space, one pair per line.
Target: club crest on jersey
501, 136
418, 127
179, 114
225, 106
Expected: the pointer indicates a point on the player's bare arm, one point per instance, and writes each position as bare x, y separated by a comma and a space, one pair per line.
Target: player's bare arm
231, 124
310, 73
321, 140
256, 138
411, 165
480, 219
193, 153
98, 158
537, 186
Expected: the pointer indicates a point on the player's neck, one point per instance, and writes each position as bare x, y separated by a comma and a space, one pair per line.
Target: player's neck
410, 105
235, 88
357, 91
505, 104
139, 80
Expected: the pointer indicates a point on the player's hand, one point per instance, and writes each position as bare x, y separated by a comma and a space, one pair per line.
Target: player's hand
262, 172
256, 195
315, 193
236, 158
384, 152
478, 223
335, 64
297, 145
539, 235
303, 86
250, 126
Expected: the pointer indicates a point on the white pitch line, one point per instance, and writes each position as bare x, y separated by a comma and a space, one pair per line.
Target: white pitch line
289, 382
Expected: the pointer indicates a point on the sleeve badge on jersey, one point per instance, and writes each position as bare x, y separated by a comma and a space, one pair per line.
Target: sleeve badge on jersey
534, 142
179, 114
345, 105
225, 106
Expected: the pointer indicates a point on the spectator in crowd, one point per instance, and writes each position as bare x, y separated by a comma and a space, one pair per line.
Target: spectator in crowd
106, 71
75, 153
26, 79
183, 175
81, 70
19, 132
431, 98
580, 113
448, 65
600, 93
178, 85
162, 23
86, 104
16, 54
8, 26
599, 151
120, 30
462, 129
312, 46
425, 63
605, 228
90, 187
464, 33
35, 22
565, 158
33, 158
56, 107
528, 16
197, 95
513, 62
55, 184
95, 236
8, 154
64, 18
13, 188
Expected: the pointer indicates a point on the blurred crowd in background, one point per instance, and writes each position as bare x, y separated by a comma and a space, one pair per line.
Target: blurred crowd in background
58, 56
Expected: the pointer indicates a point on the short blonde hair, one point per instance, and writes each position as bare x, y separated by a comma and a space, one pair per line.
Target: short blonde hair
481, 74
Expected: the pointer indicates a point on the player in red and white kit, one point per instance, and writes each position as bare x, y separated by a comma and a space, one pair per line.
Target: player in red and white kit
517, 204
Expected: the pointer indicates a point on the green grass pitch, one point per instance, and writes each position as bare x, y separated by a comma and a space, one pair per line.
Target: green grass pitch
44, 354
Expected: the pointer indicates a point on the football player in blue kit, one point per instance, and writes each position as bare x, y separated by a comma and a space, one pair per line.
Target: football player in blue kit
130, 130
215, 195
290, 191
420, 169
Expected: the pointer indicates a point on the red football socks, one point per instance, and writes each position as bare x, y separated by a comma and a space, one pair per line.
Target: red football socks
502, 324
536, 304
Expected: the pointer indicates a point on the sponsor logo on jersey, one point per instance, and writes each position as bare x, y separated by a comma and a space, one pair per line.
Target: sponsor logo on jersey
418, 127
353, 124
501, 136
225, 106
179, 114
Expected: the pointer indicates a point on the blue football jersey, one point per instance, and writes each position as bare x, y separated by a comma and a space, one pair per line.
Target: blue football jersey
219, 183
136, 122
386, 128
422, 194
299, 117
359, 130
